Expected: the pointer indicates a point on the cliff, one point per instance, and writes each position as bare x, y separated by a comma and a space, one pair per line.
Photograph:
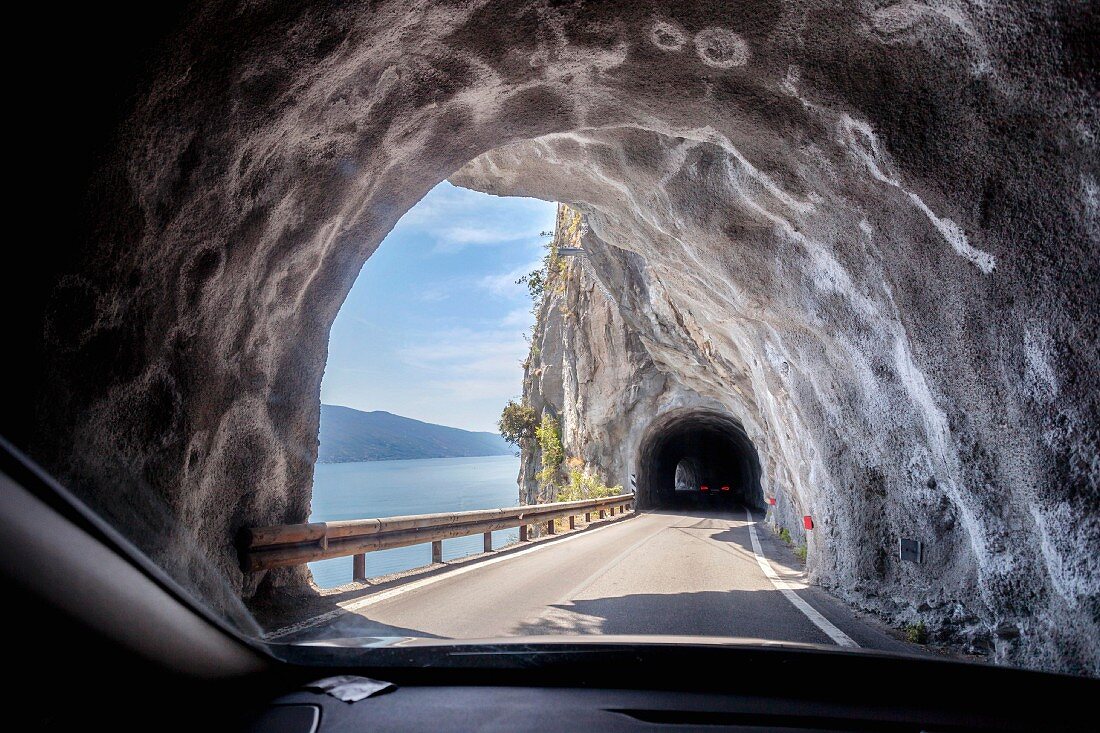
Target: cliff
590, 370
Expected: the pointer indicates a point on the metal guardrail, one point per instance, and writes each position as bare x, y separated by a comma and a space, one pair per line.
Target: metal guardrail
263, 548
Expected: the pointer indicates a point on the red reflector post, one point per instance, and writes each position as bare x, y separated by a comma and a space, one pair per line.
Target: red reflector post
704, 487
725, 488
808, 522
771, 500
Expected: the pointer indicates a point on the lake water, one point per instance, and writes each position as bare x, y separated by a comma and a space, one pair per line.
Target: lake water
424, 486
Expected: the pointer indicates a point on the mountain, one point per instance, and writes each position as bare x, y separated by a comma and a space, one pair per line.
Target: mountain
349, 435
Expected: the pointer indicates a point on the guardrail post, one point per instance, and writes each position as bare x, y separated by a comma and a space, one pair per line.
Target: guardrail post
437, 552
523, 533
552, 527
359, 568
587, 517
572, 522
488, 541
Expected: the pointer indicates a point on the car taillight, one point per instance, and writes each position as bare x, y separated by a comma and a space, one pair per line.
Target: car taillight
704, 488
725, 488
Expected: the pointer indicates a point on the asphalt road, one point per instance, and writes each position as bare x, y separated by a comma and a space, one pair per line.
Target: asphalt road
693, 572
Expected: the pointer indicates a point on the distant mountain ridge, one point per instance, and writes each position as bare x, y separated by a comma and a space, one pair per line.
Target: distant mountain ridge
349, 435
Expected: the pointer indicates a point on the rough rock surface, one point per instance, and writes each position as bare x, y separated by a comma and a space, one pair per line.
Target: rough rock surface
590, 372
867, 230
590, 368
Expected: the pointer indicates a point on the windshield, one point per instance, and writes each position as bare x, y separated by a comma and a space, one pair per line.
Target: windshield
599, 320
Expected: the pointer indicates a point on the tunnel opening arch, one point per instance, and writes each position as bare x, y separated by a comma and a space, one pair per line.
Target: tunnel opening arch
696, 456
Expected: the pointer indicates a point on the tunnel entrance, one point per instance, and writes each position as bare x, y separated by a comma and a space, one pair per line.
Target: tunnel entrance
698, 457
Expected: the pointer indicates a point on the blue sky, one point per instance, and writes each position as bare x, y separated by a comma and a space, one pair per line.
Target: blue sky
433, 328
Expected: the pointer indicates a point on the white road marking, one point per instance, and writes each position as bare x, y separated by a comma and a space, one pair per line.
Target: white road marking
355, 605
809, 611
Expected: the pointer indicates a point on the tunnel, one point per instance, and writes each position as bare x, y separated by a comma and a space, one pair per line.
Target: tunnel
697, 458
803, 219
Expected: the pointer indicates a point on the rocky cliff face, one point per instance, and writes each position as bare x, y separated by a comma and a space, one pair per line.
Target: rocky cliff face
865, 233
590, 369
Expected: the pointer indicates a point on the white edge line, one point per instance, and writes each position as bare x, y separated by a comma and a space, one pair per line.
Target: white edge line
351, 606
808, 611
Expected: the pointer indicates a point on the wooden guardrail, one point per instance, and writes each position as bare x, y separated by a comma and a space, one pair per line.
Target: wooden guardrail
263, 548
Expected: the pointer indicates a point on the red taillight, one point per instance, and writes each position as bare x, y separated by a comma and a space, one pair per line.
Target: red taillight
704, 488
725, 488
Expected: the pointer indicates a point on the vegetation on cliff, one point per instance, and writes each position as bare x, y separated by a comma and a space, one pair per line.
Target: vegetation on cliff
535, 428
518, 423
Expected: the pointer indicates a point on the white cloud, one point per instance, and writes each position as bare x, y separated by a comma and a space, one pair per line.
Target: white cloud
473, 389
434, 294
468, 365
504, 283
457, 238
455, 219
520, 317
465, 348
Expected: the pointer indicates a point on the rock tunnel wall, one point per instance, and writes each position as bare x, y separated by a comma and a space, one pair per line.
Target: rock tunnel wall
867, 231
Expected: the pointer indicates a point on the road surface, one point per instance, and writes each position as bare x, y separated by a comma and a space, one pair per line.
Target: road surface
691, 572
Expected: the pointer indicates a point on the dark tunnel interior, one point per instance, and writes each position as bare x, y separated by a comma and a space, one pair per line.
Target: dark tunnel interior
695, 457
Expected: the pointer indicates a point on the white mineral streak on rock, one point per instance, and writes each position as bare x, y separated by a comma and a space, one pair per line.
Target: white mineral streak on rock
934, 23
1074, 577
1039, 374
861, 141
892, 19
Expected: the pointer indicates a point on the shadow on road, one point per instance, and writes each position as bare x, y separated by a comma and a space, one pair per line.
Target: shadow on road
757, 614
731, 534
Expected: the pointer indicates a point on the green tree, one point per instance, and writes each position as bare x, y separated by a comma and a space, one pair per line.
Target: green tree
584, 484
549, 437
535, 282
518, 422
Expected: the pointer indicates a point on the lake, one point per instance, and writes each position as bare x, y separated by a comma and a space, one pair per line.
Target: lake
423, 486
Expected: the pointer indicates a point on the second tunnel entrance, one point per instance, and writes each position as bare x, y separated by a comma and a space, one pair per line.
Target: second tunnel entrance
698, 457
